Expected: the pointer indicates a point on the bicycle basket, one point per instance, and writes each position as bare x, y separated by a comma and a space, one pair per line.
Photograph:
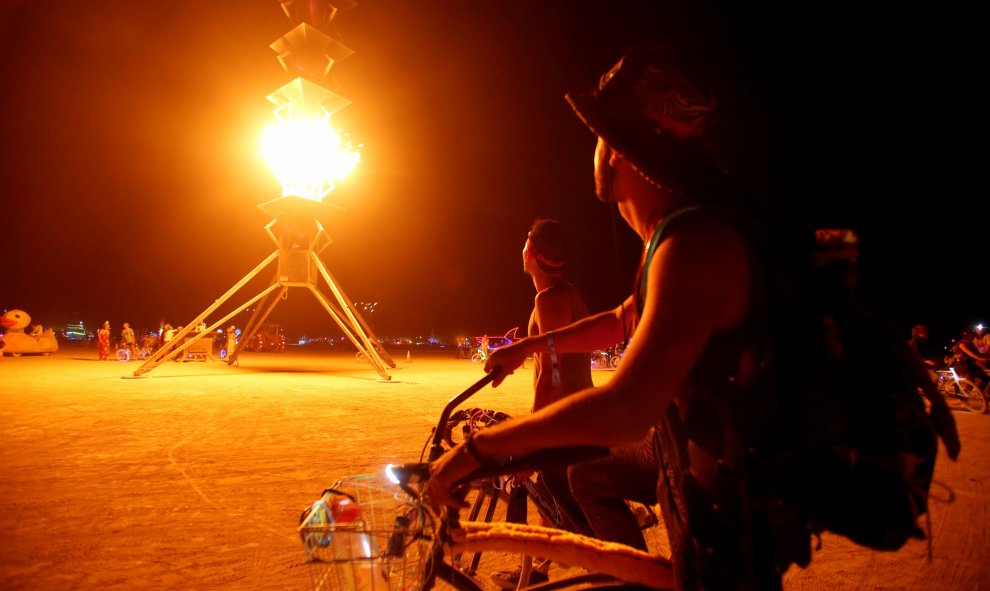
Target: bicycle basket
382, 550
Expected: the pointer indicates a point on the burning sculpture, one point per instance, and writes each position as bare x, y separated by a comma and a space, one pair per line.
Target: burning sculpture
306, 155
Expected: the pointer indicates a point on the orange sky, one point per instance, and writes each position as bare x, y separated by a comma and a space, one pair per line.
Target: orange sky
131, 168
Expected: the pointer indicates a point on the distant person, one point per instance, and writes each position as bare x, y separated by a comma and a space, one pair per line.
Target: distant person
969, 361
231, 340
127, 340
168, 333
922, 346
982, 340
103, 341
557, 303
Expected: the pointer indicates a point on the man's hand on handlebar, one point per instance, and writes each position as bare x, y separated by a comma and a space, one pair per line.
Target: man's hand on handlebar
506, 358
445, 473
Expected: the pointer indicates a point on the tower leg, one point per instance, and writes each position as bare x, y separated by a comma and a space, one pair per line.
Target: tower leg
259, 317
354, 333
160, 355
360, 326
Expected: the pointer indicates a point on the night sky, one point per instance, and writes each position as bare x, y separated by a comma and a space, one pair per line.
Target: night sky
131, 172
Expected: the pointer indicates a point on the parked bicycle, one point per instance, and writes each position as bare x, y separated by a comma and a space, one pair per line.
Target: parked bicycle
607, 358
143, 352
955, 387
601, 359
379, 533
480, 356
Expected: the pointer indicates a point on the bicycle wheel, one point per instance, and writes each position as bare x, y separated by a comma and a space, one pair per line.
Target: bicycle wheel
360, 357
144, 353
945, 385
123, 355
477, 358
971, 396
614, 361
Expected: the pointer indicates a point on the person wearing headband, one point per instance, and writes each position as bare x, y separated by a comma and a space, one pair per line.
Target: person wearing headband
557, 303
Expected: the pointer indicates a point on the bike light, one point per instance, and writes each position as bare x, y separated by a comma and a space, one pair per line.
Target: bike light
390, 474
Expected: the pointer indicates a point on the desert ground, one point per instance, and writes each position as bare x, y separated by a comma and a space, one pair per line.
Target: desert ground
193, 475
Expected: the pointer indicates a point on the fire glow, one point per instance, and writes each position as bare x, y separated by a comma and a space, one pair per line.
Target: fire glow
307, 155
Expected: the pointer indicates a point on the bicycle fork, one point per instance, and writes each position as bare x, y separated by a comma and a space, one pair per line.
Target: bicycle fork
490, 493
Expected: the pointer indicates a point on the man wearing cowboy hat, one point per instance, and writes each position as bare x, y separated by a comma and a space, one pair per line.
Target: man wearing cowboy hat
698, 319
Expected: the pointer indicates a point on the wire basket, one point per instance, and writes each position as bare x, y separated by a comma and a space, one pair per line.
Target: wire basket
384, 549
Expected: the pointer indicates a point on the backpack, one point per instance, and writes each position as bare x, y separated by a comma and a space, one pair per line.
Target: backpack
871, 415
859, 414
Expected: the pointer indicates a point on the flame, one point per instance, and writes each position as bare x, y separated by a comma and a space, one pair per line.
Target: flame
306, 155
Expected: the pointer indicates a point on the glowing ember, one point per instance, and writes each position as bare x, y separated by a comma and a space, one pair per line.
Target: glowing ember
307, 155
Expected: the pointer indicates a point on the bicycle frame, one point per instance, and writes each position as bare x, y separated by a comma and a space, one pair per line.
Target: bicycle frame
620, 566
952, 385
451, 521
445, 536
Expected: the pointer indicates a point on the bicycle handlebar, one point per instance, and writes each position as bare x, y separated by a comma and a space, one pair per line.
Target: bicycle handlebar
419, 472
436, 450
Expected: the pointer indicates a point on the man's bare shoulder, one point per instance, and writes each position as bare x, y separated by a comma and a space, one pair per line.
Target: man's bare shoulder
557, 295
555, 307
703, 268
708, 239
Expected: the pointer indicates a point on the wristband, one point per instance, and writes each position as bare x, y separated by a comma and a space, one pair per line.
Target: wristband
554, 368
472, 450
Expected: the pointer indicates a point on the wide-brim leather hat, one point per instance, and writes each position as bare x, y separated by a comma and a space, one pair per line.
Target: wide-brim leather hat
655, 116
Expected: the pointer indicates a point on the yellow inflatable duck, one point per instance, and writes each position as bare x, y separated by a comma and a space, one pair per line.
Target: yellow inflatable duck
17, 341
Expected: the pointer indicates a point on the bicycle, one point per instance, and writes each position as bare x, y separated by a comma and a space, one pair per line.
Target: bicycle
124, 353
479, 356
399, 542
607, 358
617, 352
601, 359
489, 498
955, 387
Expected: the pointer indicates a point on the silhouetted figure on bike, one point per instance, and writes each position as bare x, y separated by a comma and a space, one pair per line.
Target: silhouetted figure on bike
969, 361
923, 347
699, 320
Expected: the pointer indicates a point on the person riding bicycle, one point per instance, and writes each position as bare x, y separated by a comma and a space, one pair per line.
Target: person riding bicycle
969, 361
700, 350
557, 303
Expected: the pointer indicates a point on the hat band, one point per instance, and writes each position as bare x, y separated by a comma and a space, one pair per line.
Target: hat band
549, 262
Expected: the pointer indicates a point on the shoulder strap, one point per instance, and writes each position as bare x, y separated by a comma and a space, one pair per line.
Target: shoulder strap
651, 248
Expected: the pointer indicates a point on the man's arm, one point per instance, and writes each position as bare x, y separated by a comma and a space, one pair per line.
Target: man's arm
698, 284
553, 309
592, 332
970, 350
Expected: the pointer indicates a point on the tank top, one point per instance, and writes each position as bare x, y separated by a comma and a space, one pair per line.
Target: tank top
575, 368
724, 531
